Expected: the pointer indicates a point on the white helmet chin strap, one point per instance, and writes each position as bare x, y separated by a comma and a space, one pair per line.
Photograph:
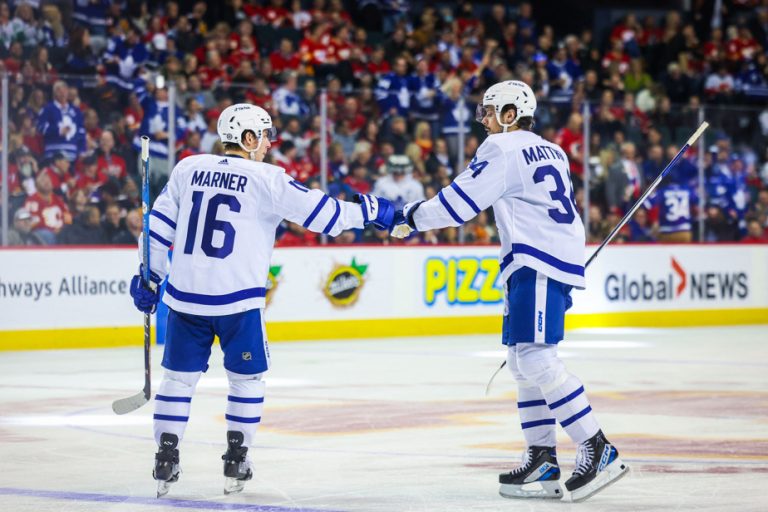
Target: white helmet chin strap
504, 125
252, 152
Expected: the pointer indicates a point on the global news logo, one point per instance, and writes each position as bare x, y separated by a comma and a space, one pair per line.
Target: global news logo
676, 284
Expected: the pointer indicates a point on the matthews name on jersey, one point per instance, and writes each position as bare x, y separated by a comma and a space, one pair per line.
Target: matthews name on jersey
218, 208
522, 176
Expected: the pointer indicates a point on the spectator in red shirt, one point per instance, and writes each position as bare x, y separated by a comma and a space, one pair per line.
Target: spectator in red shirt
571, 139
191, 145
284, 58
755, 233
90, 177
110, 164
58, 173
49, 212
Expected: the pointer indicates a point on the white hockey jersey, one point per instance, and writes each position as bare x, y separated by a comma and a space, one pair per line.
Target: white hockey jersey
220, 213
527, 181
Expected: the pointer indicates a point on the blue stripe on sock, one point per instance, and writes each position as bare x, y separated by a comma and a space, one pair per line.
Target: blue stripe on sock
531, 403
245, 400
567, 399
164, 398
167, 417
240, 419
538, 423
576, 416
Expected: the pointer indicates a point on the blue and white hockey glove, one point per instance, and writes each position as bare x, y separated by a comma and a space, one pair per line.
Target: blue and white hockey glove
404, 224
377, 211
144, 298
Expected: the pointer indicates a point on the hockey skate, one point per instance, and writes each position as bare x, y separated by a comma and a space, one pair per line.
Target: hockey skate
597, 466
167, 468
537, 477
237, 467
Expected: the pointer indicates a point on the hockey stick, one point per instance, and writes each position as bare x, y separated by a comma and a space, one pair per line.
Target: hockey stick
691, 141
126, 405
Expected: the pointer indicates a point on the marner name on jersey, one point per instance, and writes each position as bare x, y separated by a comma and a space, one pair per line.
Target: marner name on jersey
219, 179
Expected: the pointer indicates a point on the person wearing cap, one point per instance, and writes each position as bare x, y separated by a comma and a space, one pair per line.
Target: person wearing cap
59, 173
399, 185
90, 177
21, 233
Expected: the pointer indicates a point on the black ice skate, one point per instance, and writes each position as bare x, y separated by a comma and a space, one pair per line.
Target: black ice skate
537, 477
167, 468
597, 466
237, 467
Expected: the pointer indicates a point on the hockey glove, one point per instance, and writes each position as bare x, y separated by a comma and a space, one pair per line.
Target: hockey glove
404, 224
145, 298
377, 211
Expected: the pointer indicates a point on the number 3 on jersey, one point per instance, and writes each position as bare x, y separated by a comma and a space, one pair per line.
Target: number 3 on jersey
558, 194
212, 224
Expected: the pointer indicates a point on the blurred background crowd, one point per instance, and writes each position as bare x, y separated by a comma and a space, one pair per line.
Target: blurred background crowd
402, 79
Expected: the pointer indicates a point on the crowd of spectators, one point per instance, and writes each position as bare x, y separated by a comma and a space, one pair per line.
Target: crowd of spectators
89, 77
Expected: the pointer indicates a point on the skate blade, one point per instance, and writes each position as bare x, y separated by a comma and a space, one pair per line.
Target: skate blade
162, 488
611, 474
546, 490
233, 485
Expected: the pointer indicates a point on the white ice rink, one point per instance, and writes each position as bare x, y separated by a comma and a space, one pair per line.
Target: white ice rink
395, 425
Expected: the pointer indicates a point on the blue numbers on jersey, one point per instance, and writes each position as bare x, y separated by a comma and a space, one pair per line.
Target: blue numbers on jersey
558, 194
477, 167
212, 224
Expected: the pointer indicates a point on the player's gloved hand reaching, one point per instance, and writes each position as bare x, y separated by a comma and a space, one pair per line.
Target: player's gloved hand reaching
376, 210
145, 298
403, 224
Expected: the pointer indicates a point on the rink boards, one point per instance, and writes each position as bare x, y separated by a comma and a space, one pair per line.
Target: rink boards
78, 297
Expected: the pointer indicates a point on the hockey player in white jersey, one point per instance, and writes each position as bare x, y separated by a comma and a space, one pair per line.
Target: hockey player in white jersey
220, 214
527, 181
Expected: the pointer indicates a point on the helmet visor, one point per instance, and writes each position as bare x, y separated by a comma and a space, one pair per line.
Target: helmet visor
271, 133
481, 111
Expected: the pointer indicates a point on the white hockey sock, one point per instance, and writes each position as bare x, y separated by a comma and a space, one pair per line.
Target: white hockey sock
536, 420
564, 393
173, 402
244, 404
569, 404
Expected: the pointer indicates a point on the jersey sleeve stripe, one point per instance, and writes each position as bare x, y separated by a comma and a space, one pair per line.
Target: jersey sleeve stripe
315, 211
215, 300
163, 218
335, 217
465, 197
563, 266
160, 239
448, 208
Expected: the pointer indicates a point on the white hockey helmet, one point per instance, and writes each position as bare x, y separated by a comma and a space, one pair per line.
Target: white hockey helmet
510, 92
236, 119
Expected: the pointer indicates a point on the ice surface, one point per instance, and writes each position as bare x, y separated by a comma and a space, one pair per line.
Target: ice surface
395, 425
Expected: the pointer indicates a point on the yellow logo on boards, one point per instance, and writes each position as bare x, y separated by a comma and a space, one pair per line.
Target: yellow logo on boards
272, 281
344, 284
464, 280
